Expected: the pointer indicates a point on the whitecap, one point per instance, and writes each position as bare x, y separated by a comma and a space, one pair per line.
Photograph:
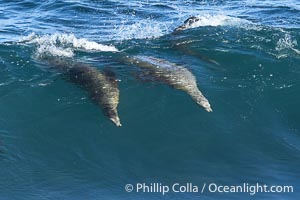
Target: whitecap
287, 42
62, 44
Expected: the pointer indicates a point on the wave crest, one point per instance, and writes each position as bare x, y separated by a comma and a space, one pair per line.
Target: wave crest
61, 44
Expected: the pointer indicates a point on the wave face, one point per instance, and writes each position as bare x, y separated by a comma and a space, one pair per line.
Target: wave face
55, 143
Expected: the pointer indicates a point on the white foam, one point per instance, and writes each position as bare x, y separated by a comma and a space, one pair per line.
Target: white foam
287, 42
61, 44
143, 29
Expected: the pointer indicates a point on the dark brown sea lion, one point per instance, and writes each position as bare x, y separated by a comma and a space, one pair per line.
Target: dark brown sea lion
102, 86
171, 74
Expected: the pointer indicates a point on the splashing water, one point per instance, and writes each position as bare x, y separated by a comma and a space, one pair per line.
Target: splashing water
144, 29
287, 42
60, 44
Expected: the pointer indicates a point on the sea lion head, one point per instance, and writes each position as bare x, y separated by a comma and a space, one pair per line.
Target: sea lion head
204, 103
112, 114
187, 23
116, 120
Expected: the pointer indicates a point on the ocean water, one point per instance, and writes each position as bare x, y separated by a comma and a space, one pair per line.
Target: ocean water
55, 143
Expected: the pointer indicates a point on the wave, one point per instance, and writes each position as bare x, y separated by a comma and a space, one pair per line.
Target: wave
291, 4
61, 44
151, 29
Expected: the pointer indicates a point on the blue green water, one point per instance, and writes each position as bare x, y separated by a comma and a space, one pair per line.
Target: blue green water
56, 144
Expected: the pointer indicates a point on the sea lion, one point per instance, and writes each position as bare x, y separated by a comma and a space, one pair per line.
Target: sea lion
187, 23
103, 89
171, 74
102, 86
183, 46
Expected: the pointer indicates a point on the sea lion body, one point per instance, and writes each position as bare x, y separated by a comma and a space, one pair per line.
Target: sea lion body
102, 87
173, 75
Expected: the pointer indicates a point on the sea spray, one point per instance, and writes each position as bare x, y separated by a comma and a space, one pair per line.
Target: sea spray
62, 44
